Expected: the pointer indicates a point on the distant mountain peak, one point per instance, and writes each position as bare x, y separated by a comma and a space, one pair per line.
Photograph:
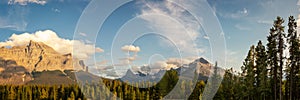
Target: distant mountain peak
129, 72
202, 60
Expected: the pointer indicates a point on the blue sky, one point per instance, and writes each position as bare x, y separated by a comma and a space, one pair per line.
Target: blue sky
244, 22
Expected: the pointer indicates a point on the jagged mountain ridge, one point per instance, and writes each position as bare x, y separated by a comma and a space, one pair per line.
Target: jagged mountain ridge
141, 77
201, 66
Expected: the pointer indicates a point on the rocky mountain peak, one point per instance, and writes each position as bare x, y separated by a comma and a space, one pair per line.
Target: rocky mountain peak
33, 44
39, 46
37, 56
202, 60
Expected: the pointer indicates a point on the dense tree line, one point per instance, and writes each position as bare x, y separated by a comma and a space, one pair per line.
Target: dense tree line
107, 89
269, 72
113, 89
40, 92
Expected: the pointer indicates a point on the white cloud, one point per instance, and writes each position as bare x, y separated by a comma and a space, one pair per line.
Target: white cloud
155, 67
131, 48
170, 66
99, 50
25, 2
129, 59
82, 34
206, 37
178, 61
185, 31
238, 14
51, 39
170, 63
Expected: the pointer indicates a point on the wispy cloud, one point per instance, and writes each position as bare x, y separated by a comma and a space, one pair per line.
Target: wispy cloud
15, 19
128, 49
237, 14
206, 37
173, 22
82, 34
25, 2
99, 50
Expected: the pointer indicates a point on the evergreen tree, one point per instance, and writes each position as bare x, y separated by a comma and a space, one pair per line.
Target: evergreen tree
261, 71
249, 72
272, 61
292, 67
228, 85
281, 47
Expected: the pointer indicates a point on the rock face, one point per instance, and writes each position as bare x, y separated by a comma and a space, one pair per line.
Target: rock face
37, 56
11, 73
203, 66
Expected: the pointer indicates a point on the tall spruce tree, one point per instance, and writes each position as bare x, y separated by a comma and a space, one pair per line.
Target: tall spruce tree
273, 60
292, 66
249, 75
281, 47
261, 71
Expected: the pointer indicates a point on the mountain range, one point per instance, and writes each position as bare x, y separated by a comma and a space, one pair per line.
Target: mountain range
199, 66
38, 63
